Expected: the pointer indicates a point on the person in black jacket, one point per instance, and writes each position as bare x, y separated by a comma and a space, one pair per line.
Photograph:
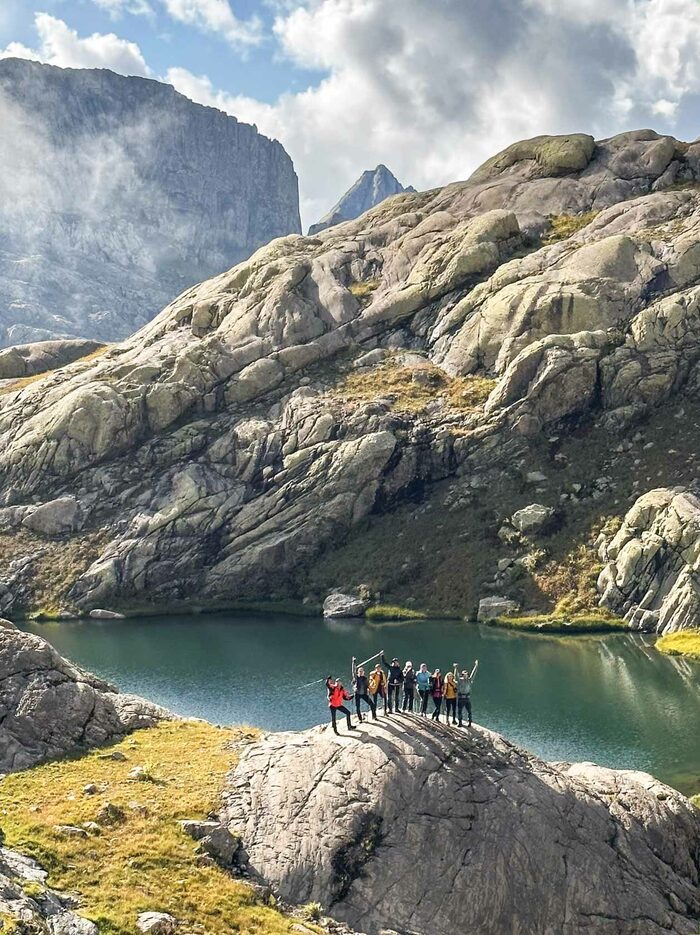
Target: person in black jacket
395, 682
409, 686
360, 685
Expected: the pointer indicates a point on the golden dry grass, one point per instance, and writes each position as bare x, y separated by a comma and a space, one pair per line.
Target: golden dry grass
20, 383
145, 862
682, 643
363, 289
565, 225
389, 380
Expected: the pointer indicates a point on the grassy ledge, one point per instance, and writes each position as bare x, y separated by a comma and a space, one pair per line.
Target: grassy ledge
695, 799
566, 225
547, 623
145, 861
392, 612
682, 643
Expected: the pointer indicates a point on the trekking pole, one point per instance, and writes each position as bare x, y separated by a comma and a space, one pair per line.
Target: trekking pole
309, 684
371, 659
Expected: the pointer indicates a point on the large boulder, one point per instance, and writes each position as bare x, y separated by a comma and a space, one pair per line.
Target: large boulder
650, 571
534, 518
496, 606
48, 706
424, 828
26, 360
343, 605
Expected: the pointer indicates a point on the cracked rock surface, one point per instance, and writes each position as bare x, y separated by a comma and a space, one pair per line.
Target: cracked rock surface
48, 706
422, 828
652, 563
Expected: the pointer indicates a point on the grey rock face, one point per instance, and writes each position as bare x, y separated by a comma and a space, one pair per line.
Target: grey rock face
212, 449
117, 193
343, 605
48, 706
372, 188
514, 843
50, 912
650, 572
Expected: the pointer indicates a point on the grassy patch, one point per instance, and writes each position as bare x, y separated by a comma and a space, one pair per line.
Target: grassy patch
145, 862
363, 289
552, 623
393, 612
696, 801
412, 390
20, 384
569, 581
682, 643
565, 225
55, 570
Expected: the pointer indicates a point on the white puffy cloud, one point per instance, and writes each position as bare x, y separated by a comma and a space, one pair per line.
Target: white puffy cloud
432, 89
61, 45
216, 16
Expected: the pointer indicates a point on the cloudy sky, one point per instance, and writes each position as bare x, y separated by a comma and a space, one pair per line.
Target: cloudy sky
429, 87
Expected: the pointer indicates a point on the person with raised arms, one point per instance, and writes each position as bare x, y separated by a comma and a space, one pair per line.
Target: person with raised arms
464, 693
360, 684
336, 696
395, 682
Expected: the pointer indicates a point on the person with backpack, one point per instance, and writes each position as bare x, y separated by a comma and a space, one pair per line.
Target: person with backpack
336, 696
409, 686
377, 685
360, 684
395, 682
450, 695
423, 684
464, 693
436, 686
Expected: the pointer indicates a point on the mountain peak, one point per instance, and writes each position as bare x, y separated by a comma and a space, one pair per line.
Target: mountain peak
370, 189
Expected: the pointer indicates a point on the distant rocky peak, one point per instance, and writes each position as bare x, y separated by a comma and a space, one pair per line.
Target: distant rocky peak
372, 187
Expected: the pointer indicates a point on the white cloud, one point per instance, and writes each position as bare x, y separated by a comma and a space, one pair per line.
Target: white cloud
117, 8
434, 89
216, 16
61, 45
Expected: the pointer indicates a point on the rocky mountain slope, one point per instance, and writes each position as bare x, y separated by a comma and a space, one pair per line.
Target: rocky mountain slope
425, 828
49, 707
372, 187
374, 405
118, 192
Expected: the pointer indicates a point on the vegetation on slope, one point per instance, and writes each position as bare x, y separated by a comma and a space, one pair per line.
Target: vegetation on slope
142, 860
393, 612
555, 623
681, 643
564, 226
413, 389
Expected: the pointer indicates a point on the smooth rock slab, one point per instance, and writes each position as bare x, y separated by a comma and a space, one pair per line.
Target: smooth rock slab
431, 829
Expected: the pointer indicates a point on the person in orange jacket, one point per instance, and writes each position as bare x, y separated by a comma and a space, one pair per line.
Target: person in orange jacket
336, 696
377, 685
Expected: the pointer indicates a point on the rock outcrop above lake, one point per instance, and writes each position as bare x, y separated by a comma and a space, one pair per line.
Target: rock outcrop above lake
372, 188
373, 404
118, 192
49, 707
421, 828
651, 570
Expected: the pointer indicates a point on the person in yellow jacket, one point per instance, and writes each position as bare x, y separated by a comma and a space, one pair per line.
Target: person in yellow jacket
450, 695
377, 685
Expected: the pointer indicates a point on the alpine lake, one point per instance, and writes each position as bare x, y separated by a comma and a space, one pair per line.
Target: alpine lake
609, 699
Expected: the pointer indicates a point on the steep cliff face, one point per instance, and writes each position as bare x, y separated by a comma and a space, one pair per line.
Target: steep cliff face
116, 193
372, 188
382, 400
433, 829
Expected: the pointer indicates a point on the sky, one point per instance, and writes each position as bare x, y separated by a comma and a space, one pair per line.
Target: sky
431, 88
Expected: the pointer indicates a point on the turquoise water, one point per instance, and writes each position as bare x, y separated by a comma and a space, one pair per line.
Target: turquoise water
609, 699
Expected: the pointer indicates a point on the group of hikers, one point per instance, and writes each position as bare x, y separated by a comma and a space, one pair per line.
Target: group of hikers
403, 689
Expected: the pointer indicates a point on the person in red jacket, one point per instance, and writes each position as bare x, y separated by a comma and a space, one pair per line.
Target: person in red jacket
336, 696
